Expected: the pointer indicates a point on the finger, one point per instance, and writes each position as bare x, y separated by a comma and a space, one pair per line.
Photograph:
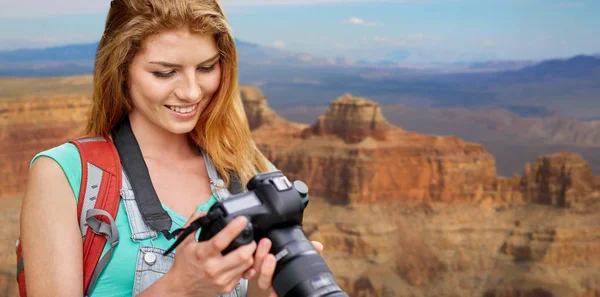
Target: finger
266, 272
236, 263
318, 246
273, 293
264, 246
221, 240
250, 273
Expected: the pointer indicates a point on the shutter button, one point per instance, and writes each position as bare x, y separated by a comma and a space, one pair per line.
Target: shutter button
150, 258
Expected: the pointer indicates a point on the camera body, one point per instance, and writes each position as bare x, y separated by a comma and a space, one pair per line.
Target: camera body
271, 201
275, 207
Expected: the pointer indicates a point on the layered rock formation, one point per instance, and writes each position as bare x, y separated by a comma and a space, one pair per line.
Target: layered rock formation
352, 155
32, 124
9, 219
259, 113
417, 215
562, 179
400, 213
352, 119
257, 110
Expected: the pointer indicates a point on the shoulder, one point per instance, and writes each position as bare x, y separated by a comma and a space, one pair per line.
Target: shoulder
66, 156
66, 152
49, 215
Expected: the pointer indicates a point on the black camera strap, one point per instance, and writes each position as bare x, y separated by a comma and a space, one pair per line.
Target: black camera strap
137, 172
200, 222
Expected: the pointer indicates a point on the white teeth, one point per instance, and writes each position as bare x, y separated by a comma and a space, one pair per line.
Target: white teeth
182, 109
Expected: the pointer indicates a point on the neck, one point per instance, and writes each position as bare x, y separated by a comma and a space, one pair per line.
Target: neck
158, 143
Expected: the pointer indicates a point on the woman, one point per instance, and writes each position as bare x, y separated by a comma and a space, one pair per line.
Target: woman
169, 67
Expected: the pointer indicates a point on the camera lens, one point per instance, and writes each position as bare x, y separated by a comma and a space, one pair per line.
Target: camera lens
300, 270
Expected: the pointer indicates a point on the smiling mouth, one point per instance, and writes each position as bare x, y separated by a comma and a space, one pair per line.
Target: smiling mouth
180, 109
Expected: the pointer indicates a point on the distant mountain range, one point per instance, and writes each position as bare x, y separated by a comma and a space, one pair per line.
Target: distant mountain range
515, 108
76, 59
65, 53
578, 67
528, 88
54, 61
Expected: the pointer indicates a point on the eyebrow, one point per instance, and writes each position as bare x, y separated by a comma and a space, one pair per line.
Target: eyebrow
167, 64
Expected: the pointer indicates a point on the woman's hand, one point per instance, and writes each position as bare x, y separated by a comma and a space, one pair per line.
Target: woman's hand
260, 276
201, 270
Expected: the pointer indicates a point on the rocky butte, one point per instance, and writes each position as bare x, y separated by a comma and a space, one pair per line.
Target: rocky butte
405, 214
400, 213
353, 155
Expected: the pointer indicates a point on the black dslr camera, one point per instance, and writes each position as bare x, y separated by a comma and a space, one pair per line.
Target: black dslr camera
274, 208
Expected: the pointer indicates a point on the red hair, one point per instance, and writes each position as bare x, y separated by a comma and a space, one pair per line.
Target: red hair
222, 129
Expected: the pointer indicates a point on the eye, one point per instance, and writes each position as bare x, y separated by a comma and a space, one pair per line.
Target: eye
207, 68
163, 74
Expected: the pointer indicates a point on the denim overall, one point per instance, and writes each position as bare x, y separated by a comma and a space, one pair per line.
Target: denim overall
151, 264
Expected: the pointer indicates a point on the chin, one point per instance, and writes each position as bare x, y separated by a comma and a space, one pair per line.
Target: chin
176, 126
181, 128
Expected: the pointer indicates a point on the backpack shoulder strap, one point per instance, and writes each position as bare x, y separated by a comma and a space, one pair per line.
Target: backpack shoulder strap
98, 203
99, 196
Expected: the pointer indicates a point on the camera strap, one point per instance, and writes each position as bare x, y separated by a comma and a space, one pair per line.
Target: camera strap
200, 222
136, 170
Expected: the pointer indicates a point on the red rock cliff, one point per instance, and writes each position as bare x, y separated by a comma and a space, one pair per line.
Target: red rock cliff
29, 125
562, 179
397, 235
352, 119
352, 155
412, 215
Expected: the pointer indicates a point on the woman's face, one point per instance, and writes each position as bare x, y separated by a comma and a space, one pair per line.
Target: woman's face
172, 78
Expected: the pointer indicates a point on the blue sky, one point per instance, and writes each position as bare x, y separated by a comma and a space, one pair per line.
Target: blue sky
422, 30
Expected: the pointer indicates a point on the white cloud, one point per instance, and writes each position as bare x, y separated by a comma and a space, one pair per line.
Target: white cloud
356, 21
361, 22
279, 44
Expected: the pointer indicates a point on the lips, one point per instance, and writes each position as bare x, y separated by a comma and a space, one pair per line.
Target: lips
183, 109
183, 112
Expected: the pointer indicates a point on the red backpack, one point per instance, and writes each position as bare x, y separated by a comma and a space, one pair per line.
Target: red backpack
100, 192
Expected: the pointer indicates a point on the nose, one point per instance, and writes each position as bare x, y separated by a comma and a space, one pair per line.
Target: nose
189, 88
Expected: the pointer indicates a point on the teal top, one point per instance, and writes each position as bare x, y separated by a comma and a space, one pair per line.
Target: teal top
118, 276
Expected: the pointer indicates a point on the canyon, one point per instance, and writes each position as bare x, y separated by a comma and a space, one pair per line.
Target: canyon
399, 213
407, 214
512, 139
